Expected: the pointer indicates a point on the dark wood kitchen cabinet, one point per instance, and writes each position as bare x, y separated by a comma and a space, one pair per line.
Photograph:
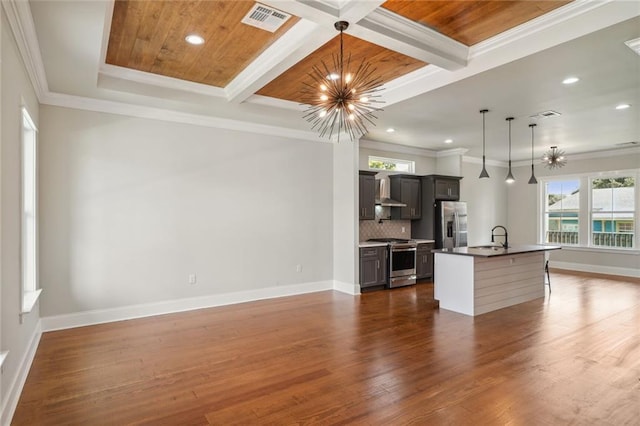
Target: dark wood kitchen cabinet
367, 189
406, 189
373, 266
446, 188
424, 260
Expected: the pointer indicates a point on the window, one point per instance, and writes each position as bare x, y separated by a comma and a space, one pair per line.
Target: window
561, 218
604, 217
612, 211
30, 291
391, 164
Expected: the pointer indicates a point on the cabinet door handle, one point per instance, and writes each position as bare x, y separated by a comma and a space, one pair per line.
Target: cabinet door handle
377, 264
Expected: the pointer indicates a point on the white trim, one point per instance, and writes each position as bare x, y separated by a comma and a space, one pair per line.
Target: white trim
585, 156
451, 152
400, 149
141, 111
29, 300
100, 316
476, 160
3, 356
601, 249
24, 32
596, 269
342, 287
12, 396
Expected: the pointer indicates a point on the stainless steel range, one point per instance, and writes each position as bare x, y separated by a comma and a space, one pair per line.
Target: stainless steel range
402, 261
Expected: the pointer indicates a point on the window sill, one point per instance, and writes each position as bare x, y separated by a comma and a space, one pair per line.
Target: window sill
3, 356
633, 252
29, 301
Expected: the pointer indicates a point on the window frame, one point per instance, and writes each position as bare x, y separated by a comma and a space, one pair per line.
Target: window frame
411, 165
585, 213
30, 291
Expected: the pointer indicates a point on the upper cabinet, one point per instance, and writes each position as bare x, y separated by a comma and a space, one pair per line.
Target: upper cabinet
367, 195
406, 188
446, 188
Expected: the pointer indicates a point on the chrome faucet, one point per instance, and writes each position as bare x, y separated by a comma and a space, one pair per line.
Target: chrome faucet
505, 235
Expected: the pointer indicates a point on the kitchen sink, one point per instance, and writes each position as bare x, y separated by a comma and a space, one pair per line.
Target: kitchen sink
488, 247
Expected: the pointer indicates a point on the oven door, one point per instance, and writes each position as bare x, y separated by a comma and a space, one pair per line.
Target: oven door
402, 260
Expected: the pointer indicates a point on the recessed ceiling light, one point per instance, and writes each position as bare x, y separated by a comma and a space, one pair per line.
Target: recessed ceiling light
448, 141
391, 130
623, 106
194, 39
570, 80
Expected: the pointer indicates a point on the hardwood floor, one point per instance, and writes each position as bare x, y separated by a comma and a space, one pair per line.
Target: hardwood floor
387, 357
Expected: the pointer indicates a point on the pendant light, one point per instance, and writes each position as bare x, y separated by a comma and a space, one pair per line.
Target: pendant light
532, 179
509, 178
483, 173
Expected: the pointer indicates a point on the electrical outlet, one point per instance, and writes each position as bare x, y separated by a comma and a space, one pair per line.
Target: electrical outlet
403, 229
192, 278
298, 268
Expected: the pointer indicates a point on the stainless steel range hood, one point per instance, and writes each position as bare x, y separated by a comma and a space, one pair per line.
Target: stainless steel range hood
383, 197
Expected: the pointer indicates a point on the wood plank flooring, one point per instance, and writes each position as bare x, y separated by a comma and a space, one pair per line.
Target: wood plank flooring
383, 358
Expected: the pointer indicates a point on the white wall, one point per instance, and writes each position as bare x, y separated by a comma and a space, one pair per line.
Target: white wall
523, 216
132, 206
486, 201
19, 335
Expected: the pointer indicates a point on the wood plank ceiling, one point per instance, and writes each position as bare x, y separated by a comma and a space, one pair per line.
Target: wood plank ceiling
149, 36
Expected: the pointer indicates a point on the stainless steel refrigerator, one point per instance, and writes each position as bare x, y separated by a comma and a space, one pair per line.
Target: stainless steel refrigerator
451, 224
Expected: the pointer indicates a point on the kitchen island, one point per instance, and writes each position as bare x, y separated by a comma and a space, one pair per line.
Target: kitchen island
476, 280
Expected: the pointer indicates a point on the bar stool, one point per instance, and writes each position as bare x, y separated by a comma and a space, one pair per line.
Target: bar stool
546, 270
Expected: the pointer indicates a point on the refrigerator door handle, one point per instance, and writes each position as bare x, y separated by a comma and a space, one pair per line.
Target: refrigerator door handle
456, 225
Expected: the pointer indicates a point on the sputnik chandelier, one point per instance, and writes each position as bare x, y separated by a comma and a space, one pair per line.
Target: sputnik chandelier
554, 158
339, 100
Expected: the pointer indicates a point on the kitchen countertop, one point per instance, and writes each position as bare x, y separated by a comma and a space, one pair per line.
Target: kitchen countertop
380, 244
492, 251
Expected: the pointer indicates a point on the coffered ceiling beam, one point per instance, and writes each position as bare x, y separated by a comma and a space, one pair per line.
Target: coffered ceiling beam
314, 29
390, 30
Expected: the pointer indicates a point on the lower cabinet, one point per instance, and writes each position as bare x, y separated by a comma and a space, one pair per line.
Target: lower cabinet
424, 260
373, 266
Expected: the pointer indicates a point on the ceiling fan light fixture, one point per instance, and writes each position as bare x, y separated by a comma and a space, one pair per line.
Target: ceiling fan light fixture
341, 100
483, 173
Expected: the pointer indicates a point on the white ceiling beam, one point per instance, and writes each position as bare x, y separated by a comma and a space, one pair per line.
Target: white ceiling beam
301, 40
315, 28
390, 30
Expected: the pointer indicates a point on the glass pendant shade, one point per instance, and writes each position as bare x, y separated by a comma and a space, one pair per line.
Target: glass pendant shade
483, 173
509, 178
532, 179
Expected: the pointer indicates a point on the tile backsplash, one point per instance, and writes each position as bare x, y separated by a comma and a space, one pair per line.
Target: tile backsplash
387, 229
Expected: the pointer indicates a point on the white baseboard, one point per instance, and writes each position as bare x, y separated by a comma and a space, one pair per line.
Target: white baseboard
10, 401
596, 269
352, 289
80, 319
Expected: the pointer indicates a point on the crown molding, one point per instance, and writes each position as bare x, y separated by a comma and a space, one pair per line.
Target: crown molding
141, 111
21, 22
451, 152
476, 160
400, 149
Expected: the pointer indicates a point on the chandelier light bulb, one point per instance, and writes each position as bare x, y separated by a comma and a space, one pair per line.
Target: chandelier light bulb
351, 92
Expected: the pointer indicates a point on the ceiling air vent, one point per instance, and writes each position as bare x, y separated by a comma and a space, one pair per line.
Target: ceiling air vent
545, 114
265, 18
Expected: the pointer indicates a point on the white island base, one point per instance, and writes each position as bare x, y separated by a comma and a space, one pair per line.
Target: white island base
474, 285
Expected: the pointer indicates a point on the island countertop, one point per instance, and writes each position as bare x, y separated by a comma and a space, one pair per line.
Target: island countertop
496, 250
